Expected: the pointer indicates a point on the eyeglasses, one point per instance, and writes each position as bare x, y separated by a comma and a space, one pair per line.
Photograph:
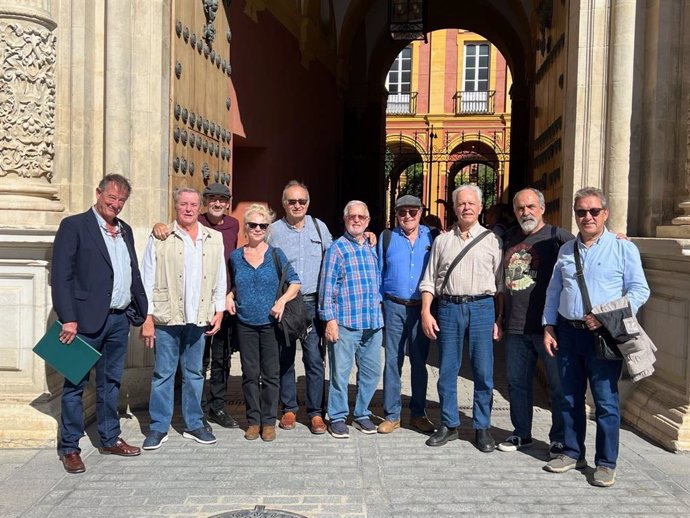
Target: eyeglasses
252, 225
301, 201
595, 211
355, 217
404, 212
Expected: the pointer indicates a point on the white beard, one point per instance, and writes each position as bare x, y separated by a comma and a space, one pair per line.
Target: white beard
528, 225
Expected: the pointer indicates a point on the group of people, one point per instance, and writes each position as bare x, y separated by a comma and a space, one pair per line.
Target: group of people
197, 297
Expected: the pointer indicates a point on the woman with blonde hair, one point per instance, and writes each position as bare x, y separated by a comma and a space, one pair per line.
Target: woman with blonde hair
255, 280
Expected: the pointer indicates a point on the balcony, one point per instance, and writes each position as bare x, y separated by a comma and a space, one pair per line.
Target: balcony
402, 104
474, 103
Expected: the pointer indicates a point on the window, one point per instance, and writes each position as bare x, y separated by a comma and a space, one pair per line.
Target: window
398, 83
475, 95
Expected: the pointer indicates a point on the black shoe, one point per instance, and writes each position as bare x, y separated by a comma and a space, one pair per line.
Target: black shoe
442, 436
222, 418
484, 441
208, 427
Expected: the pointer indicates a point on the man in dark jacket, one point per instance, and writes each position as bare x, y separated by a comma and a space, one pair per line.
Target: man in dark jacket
97, 292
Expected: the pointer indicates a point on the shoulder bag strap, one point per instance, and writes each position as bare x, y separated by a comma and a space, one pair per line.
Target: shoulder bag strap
318, 231
459, 257
282, 272
579, 274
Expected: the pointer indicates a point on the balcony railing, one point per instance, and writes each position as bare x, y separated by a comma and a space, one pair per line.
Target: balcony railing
402, 104
474, 103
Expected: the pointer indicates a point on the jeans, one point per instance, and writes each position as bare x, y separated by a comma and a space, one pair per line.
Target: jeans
313, 368
522, 352
403, 326
360, 346
259, 354
577, 363
111, 342
217, 353
474, 320
183, 345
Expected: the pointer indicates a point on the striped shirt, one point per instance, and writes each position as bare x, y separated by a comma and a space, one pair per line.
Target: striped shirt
349, 285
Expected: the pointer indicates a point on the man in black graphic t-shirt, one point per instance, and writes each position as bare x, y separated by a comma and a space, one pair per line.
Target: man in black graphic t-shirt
530, 252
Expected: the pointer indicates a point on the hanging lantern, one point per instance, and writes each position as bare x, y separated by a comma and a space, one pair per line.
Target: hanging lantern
407, 19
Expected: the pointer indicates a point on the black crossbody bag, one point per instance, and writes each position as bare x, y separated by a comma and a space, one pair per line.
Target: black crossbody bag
295, 321
605, 346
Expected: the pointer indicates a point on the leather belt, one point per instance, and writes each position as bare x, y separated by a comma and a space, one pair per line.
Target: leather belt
116, 311
404, 302
464, 299
310, 297
577, 324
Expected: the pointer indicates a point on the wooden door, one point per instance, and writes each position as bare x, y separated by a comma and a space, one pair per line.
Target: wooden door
200, 132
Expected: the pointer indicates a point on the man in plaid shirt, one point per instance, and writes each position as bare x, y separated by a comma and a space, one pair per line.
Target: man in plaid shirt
350, 304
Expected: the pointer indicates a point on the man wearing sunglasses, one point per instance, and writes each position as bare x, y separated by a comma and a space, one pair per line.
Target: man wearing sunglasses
403, 254
530, 252
217, 350
304, 240
612, 268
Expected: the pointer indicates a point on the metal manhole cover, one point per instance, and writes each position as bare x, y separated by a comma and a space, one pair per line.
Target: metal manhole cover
259, 511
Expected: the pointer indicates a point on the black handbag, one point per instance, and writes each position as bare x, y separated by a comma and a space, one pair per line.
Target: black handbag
605, 347
296, 321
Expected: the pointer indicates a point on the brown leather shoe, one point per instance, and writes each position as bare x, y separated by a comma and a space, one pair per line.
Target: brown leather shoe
121, 448
288, 421
72, 463
317, 426
252, 432
388, 426
422, 424
268, 433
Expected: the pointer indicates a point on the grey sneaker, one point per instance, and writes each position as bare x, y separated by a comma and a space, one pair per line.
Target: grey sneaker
604, 477
514, 443
365, 425
563, 463
339, 430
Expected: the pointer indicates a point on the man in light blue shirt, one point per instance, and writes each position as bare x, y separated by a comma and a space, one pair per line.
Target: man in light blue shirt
612, 268
403, 254
304, 240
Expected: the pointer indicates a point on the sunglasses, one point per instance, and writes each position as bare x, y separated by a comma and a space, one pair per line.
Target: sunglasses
301, 201
252, 225
404, 212
581, 213
355, 217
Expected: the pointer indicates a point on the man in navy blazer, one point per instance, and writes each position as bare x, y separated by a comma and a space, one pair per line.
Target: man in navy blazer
97, 292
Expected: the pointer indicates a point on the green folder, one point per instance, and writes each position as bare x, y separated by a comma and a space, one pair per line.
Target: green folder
73, 361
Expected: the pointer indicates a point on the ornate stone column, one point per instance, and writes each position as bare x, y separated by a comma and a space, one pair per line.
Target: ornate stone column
27, 110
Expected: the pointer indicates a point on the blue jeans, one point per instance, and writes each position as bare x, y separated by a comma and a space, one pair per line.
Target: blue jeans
577, 363
313, 369
183, 345
474, 320
111, 342
360, 346
522, 352
402, 326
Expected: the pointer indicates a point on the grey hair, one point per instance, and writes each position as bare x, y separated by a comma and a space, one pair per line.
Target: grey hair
591, 191
294, 183
472, 188
537, 193
262, 210
350, 204
181, 190
117, 179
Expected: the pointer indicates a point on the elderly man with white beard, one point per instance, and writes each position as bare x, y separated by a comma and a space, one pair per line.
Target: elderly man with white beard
529, 254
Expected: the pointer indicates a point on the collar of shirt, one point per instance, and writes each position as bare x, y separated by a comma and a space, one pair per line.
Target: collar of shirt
473, 232
350, 237
295, 227
201, 233
101, 223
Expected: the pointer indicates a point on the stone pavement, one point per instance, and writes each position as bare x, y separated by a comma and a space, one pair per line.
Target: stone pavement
364, 476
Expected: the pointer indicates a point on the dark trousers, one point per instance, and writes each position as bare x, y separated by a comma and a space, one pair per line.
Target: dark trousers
259, 355
111, 342
217, 352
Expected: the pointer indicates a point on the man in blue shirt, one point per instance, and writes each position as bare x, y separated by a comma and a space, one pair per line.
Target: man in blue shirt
403, 254
612, 268
350, 304
304, 240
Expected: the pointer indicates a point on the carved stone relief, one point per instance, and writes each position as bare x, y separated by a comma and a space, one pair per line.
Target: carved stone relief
27, 100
